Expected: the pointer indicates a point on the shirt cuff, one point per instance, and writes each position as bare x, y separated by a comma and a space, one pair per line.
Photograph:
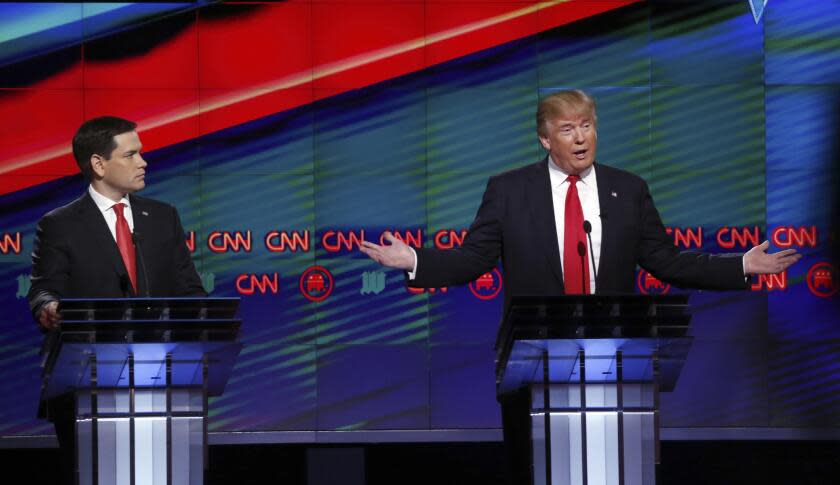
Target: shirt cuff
413, 273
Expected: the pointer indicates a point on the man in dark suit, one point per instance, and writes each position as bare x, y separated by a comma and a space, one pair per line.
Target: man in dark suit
525, 216
108, 243
77, 251
536, 219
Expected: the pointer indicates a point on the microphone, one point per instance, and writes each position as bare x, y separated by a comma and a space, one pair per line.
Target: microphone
587, 228
135, 236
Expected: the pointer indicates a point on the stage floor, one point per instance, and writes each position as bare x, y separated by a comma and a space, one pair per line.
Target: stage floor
473, 463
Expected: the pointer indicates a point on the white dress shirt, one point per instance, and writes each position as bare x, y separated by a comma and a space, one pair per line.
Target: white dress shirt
588, 193
106, 206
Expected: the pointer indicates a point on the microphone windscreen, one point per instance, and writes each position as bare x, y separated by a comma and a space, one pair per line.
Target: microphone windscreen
587, 227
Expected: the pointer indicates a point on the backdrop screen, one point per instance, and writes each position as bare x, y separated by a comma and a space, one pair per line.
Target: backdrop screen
287, 132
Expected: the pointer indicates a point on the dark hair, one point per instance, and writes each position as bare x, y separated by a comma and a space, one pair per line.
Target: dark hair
96, 137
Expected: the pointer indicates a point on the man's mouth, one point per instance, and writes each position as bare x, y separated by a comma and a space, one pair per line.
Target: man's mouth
580, 154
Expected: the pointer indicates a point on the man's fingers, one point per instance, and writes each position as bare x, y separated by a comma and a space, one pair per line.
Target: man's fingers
764, 245
393, 253
373, 252
792, 258
789, 260
369, 245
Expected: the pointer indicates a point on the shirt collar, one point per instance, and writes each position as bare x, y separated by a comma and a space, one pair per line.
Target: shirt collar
104, 203
558, 176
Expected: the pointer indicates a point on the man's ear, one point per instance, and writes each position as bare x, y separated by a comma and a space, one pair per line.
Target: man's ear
545, 142
97, 165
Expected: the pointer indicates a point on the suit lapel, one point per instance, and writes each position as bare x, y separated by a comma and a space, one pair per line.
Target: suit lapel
541, 206
140, 214
98, 229
608, 200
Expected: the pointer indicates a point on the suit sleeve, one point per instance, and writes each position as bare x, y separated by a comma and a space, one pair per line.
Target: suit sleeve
187, 282
50, 266
479, 252
657, 254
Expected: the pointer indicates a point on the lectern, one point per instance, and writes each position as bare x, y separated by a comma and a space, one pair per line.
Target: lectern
141, 371
594, 366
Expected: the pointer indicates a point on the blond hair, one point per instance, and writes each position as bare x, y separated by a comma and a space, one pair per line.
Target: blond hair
564, 104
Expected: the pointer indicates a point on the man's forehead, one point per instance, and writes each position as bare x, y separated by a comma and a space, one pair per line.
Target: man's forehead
571, 119
129, 140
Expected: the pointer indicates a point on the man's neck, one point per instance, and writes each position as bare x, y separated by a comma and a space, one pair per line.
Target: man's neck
583, 173
108, 194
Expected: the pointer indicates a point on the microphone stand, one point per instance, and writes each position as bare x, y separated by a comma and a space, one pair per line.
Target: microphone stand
587, 228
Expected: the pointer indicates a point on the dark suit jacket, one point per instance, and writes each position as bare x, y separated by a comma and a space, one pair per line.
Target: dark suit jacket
516, 222
75, 255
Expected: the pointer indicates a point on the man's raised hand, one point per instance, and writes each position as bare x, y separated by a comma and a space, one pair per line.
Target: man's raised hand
395, 254
759, 261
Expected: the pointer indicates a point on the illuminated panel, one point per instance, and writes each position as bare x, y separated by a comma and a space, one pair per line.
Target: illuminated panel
368, 58
705, 43
30, 29
137, 103
573, 55
803, 42
388, 387
371, 140
157, 54
802, 180
708, 155
347, 36
39, 123
277, 37
463, 371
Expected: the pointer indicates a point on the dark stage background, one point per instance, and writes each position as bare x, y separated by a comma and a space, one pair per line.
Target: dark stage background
283, 131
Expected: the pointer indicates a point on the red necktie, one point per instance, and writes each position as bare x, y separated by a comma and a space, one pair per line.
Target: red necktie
575, 262
126, 244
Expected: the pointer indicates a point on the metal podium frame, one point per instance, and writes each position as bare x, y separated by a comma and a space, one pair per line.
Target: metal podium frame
594, 366
141, 371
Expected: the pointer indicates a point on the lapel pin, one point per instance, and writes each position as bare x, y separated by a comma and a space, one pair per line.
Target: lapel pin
146, 213
614, 194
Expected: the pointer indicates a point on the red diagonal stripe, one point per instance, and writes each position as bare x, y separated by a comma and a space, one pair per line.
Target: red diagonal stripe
297, 53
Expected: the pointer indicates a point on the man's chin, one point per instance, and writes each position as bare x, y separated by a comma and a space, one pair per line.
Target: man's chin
582, 165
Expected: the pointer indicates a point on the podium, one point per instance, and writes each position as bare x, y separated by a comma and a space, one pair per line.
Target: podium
594, 367
141, 371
